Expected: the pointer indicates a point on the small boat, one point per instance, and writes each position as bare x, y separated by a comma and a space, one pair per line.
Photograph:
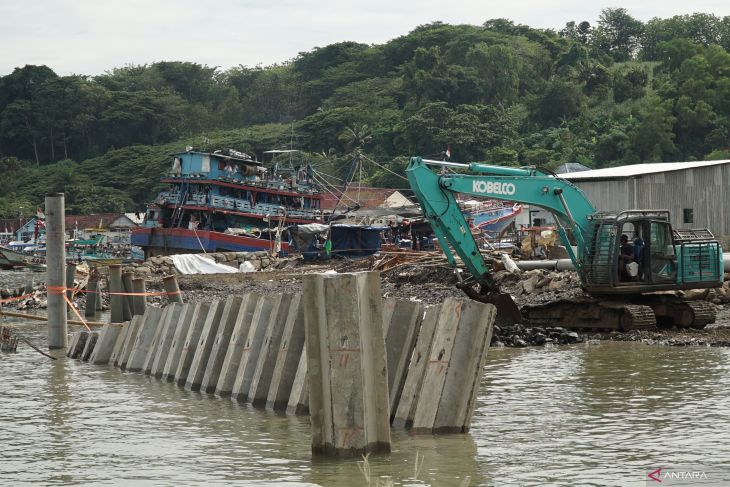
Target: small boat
490, 218
36, 267
102, 260
19, 259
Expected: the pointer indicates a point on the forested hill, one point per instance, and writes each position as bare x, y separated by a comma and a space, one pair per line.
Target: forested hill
606, 92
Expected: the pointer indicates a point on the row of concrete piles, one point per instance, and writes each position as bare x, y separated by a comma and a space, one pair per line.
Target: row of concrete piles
356, 362
127, 293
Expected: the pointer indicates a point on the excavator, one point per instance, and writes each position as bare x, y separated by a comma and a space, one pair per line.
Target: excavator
616, 295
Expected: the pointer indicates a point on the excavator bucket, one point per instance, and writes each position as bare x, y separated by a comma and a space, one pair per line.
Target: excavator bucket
507, 311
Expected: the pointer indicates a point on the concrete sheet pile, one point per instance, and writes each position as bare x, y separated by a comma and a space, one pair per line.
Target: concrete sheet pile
355, 362
346, 359
448, 370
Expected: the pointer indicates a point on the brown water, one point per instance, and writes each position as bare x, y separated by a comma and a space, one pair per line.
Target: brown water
582, 415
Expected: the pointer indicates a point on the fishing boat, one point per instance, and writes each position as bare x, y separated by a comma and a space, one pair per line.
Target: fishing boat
225, 200
13, 259
490, 217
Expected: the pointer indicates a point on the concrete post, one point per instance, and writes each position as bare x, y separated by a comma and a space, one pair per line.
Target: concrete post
127, 285
204, 346
91, 294
170, 285
105, 344
99, 300
299, 397
220, 346
178, 341
90, 345
169, 327
348, 376
116, 301
70, 277
252, 347
119, 343
143, 341
191, 342
411, 392
78, 342
266, 363
232, 360
131, 336
401, 320
56, 269
152, 349
139, 303
454, 368
287, 360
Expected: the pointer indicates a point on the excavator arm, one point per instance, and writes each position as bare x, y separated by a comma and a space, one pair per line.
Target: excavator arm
437, 196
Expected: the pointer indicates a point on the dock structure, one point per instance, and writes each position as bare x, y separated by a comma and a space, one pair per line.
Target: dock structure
356, 363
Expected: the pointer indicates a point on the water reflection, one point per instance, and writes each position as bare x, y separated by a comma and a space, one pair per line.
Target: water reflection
588, 415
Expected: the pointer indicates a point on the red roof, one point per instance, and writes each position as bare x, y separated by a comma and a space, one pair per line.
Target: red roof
367, 197
97, 220
11, 224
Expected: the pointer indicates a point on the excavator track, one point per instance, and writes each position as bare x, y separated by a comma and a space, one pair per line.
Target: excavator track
674, 311
637, 317
590, 313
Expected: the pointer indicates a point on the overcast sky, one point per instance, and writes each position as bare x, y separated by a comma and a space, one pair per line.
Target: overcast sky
93, 36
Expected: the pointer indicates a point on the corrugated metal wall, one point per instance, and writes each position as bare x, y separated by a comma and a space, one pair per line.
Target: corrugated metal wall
702, 190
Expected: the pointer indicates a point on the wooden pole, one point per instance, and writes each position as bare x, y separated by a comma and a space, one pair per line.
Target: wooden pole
15, 314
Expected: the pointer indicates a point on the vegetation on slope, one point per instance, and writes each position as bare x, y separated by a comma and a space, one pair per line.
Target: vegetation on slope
617, 92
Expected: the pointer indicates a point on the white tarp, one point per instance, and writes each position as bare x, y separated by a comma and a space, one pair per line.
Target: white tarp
200, 264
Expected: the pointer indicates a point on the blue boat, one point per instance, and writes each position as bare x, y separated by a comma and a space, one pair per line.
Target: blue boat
489, 217
224, 200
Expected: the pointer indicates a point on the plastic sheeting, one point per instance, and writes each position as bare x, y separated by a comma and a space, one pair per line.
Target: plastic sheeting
200, 264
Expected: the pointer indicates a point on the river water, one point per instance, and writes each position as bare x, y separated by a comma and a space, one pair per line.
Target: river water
589, 414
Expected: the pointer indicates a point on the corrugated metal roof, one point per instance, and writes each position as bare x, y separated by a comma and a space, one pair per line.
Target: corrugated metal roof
638, 170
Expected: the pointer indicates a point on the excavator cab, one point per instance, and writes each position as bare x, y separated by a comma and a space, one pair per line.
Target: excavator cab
638, 251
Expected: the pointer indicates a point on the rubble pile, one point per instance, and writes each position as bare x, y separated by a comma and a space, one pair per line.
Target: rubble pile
521, 336
424, 277
163, 264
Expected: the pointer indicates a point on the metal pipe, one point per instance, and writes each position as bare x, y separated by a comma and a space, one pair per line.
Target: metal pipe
431, 162
567, 264
56, 269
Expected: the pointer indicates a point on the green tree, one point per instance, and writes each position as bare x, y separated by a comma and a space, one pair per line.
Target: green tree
498, 69
618, 34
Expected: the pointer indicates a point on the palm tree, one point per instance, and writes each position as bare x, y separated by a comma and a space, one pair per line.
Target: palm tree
356, 137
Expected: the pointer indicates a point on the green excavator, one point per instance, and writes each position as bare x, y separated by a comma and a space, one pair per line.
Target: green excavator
616, 295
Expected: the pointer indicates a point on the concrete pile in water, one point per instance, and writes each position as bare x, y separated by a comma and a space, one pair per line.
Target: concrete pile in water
371, 361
